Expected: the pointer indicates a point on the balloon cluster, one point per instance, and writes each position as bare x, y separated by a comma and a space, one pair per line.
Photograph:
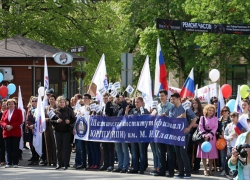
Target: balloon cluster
9, 90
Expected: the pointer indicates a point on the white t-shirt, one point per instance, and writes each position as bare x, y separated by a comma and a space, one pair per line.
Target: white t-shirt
85, 110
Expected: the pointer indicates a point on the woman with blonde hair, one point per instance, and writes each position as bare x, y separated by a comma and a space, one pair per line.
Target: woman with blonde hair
208, 126
63, 127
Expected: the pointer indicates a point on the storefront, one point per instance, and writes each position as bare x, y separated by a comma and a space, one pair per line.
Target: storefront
22, 63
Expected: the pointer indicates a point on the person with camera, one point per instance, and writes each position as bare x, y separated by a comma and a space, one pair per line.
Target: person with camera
240, 159
63, 128
138, 110
121, 148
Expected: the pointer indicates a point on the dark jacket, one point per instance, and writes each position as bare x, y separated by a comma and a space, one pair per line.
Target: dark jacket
64, 113
221, 126
108, 109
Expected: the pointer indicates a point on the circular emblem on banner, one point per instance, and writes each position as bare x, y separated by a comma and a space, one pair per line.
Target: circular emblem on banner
81, 127
63, 58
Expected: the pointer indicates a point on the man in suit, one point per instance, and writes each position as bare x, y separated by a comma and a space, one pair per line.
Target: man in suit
108, 147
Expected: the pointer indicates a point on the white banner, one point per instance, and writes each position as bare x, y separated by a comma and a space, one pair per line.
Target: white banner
82, 127
203, 92
172, 90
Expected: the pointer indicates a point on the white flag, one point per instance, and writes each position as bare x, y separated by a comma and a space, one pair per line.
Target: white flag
46, 84
100, 79
208, 95
144, 84
20, 106
237, 106
40, 123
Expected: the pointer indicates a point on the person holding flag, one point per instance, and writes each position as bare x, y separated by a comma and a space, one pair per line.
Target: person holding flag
11, 121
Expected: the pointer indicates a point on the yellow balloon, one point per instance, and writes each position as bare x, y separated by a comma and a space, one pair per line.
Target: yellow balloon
244, 91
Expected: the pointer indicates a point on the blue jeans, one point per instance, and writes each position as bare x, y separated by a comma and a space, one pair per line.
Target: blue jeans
136, 156
182, 157
95, 152
223, 155
80, 159
122, 155
171, 158
88, 152
155, 155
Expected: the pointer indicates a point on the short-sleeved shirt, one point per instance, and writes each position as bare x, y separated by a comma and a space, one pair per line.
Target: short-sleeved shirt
177, 111
164, 108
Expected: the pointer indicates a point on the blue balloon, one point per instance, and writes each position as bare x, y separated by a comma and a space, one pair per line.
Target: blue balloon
231, 104
1, 77
11, 88
206, 146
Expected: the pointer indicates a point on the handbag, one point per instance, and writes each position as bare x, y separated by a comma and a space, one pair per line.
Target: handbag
197, 136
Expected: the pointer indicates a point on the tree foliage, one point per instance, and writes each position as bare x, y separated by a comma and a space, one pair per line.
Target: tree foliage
116, 26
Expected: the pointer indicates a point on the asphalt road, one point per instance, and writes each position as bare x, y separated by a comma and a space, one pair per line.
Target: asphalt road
49, 173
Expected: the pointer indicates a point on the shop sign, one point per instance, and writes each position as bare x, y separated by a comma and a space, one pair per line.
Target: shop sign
62, 58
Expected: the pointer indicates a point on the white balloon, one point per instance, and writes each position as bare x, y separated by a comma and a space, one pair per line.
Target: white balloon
214, 75
41, 90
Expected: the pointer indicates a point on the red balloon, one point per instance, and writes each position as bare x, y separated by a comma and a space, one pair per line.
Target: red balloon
3, 91
226, 90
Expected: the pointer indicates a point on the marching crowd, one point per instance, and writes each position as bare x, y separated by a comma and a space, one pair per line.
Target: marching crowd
59, 143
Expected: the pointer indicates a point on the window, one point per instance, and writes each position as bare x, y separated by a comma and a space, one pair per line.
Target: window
236, 75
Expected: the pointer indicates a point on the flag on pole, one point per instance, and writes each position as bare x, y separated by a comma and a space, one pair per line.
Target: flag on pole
160, 71
188, 87
237, 107
40, 123
46, 84
196, 91
100, 79
208, 95
20, 106
144, 84
221, 103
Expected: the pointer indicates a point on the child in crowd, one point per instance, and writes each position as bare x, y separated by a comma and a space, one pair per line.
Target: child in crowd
230, 134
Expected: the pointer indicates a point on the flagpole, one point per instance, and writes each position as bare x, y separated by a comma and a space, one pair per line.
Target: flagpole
47, 154
89, 87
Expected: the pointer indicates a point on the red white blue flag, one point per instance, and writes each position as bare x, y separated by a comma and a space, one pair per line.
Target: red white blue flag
188, 87
160, 71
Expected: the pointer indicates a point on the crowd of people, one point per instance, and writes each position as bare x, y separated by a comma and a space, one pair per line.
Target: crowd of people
59, 142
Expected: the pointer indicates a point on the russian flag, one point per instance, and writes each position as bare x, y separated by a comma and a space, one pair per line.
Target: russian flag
188, 87
160, 71
237, 107
221, 103
239, 128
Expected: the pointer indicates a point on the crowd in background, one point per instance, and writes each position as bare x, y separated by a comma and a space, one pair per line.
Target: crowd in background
59, 142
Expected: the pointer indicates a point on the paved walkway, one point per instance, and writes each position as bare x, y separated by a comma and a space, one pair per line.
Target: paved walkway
49, 173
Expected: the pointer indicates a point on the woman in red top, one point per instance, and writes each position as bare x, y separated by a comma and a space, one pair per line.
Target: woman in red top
11, 122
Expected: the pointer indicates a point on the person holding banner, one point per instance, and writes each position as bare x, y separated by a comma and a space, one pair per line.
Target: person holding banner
49, 135
11, 121
160, 149
138, 110
108, 147
81, 145
62, 132
121, 148
178, 111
